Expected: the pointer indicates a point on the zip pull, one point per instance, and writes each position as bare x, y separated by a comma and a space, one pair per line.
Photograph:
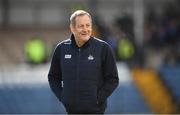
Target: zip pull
62, 85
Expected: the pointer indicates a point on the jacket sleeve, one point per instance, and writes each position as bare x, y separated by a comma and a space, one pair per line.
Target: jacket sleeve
110, 74
54, 75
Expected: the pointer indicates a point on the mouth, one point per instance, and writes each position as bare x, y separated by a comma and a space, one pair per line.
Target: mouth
84, 34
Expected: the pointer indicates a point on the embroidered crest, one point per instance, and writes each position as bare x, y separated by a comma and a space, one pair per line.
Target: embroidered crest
90, 57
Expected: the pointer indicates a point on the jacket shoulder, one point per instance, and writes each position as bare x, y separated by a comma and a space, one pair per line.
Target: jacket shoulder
64, 42
100, 42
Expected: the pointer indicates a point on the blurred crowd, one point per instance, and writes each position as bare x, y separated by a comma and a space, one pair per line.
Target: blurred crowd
163, 32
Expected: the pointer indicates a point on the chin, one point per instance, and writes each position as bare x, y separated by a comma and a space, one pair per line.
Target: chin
86, 38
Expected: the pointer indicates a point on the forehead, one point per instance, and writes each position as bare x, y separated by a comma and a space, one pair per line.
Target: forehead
83, 19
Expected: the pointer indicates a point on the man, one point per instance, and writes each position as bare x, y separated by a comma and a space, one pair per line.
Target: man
83, 72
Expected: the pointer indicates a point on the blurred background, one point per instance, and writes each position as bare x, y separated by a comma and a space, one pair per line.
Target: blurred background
144, 35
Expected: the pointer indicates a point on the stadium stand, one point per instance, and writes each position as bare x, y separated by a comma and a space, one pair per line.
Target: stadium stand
170, 75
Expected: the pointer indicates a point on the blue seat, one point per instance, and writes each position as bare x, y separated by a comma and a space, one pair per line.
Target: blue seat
36, 100
127, 100
171, 78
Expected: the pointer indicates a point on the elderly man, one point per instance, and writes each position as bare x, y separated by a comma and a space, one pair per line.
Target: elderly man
83, 72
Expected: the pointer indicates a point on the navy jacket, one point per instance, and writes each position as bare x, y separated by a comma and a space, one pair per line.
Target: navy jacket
83, 78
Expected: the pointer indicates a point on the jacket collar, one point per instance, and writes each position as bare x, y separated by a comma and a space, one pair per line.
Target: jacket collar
76, 46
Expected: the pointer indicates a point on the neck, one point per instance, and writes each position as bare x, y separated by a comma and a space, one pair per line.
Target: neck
79, 43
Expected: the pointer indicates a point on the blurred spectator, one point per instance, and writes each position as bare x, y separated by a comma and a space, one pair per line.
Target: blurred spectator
112, 41
126, 45
36, 51
126, 25
126, 50
101, 29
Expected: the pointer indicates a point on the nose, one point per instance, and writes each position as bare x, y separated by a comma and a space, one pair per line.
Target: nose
85, 29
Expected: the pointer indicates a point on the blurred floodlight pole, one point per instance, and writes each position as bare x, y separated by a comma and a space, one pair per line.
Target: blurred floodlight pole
138, 13
5, 12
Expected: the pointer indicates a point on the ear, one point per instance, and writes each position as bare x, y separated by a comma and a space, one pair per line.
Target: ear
71, 28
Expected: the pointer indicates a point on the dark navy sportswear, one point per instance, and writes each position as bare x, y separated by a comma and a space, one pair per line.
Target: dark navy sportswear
82, 78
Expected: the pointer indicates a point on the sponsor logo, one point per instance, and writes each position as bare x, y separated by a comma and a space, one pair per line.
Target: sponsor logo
67, 56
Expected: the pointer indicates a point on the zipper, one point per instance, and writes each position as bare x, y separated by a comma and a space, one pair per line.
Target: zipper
78, 63
77, 73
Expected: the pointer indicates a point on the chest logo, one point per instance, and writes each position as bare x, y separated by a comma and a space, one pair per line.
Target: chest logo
90, 57
67, 56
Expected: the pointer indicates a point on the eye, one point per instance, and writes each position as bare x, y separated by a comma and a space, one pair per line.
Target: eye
88, 25
81, 26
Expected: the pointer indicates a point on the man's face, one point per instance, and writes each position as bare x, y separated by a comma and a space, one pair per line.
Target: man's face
82, 29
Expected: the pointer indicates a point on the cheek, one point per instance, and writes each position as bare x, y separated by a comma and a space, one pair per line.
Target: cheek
90, 31
79, 30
